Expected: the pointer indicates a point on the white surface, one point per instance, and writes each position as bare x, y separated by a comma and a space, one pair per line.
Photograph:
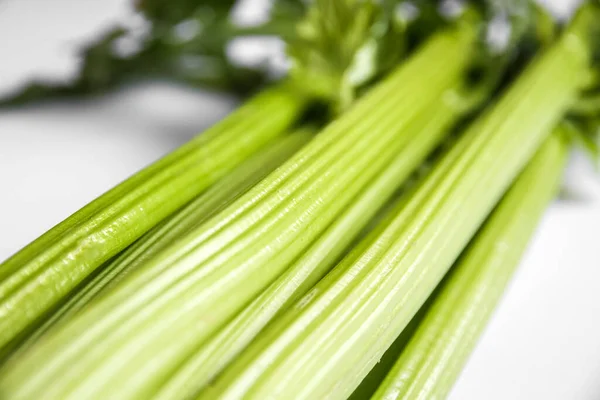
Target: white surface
544, 340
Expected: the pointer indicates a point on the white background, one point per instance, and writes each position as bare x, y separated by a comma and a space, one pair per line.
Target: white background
544, 339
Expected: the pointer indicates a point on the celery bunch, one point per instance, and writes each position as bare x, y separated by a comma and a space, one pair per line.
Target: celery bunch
327, 343
246, 246
257, 263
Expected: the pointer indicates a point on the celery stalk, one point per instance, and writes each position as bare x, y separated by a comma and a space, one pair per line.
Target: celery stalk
436, 353
369, 385
218, 196
327, 343
133, 338
40, 275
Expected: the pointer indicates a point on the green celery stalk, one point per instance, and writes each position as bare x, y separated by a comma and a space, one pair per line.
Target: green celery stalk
212, 357
217, 197
39, 276
437, 352
369, 385
131, 340
331, 339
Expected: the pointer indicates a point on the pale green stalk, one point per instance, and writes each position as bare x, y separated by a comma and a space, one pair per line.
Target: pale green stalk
438, 350
369, 385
